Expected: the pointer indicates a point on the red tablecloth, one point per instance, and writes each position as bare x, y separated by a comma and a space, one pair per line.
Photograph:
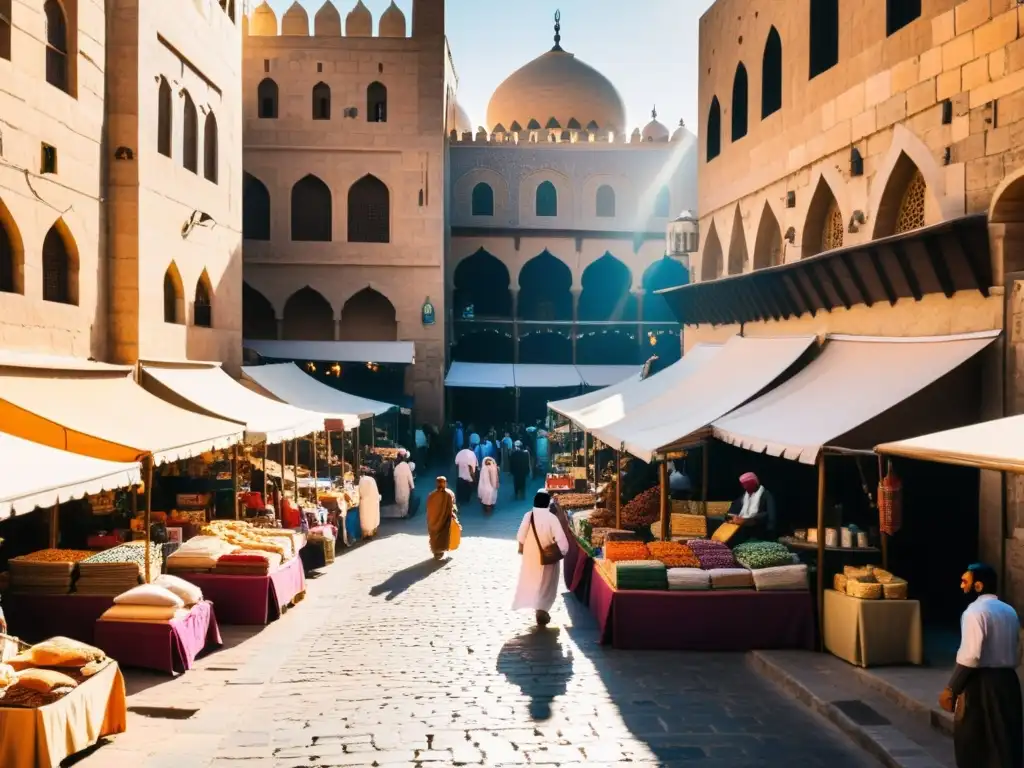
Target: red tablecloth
252, 599
170, 648
712, 620
577, 570
38, 617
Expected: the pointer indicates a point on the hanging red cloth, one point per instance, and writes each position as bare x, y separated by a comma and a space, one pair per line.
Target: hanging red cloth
890, 503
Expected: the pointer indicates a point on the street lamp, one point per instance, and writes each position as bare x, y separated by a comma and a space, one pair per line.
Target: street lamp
682, 238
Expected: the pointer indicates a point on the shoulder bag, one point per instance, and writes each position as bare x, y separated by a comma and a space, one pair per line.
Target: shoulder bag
549, 555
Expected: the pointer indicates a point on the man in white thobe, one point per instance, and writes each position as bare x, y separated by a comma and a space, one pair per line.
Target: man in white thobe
404, 486
538, 583
369, 505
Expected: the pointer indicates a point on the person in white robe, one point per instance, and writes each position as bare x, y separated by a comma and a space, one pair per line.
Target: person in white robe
404, 486
369, 505
487, 490
538, 583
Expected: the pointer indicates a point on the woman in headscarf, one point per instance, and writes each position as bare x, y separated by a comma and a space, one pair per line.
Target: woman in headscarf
538, 583
404, 486
487, 491
369, 505
441, 515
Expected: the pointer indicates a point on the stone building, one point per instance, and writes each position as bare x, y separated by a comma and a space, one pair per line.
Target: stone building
884, 139
344, 182
119, 220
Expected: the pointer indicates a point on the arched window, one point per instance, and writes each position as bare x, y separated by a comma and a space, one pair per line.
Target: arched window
376, 103
173, 296
5, 29
321, 101
824, 36
547, 199
165, 118
739, 103
60, 267
9, 266
483, 200
311, 210
369, 211
714, 139
190, 135
56, 45
255, 209
210, 159
605, 202
266, 96
899, 13
202, 308
771, 74
662, 203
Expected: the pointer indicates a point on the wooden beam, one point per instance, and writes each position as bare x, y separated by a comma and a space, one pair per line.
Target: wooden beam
812, 280
882, 275
908, 271
778, 289
804, 298
855, 278
764, 292
830, 275
982, 279
939, 266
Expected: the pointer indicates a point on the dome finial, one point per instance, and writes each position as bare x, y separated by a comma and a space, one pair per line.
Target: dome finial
558, 29
654, 112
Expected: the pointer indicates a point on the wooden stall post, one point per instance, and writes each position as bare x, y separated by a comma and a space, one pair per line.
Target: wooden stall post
355, 450
284, 470
586, 458
295, 469
618, 490
329, 470
373, 432
704, 475
147, 521
663, 480
316, 474
821, 550
263, 490
54, 525
234, 479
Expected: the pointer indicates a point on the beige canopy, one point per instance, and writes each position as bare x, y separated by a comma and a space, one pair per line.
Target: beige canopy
996, 445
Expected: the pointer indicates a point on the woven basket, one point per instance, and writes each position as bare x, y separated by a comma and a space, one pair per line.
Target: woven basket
864, 590
895, 589
883, 577
839, 582
857, 572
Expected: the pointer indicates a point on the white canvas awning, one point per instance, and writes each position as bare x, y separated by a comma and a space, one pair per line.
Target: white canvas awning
675, 417
209, 389
399, 352
996, 445
608, 405
289, 383
606, 375
97, 410
529, 376
480, 375
36, 475
852, 381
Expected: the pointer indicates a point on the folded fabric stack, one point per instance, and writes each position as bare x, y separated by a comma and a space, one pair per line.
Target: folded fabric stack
116, 570
731, 578
783, 577
688, 578
762, 554
243, 535
673, 554
712, 554
640, 574
199, 554
147, 603
246, 563
626, 550
47, 572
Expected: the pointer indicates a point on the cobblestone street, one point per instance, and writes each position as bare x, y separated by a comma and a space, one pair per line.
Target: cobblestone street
394, 660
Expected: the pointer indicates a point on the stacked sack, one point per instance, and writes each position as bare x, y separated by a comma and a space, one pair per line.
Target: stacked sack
161, 602
673, 554
640, 574
781, 578
47, 671
199, 554
762, 554
688, 578
115, 570
47, 572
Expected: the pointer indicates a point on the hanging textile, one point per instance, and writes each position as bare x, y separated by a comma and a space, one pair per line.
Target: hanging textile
890, 502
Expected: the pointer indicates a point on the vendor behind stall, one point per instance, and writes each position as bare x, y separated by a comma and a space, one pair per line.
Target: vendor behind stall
754, 512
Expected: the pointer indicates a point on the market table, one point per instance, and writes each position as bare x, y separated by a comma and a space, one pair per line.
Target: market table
171, 647
39, 617
44, 737
705, 620
252, 600
872, 633
577, 570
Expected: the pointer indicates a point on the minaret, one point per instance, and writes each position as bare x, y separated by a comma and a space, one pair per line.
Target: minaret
558, 30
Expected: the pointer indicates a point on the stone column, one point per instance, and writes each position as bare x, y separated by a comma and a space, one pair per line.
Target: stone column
515, 324
574, 330
280, 328
639, 293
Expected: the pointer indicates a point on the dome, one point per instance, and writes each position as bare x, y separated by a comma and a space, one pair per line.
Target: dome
327, 22
295, 21
462, 122
655, 131
680, 132
392, 22
264, 21
359, 22
558, 87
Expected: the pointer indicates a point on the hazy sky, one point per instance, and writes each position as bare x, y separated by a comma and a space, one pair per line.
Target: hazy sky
647, 48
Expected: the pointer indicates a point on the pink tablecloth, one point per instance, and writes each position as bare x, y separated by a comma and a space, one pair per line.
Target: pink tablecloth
39, 617
577, 570
170, 648
713, 620
252, 599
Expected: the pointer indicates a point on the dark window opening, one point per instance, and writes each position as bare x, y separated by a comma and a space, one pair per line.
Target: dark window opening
210, 155
48, 159
266, 95
771, 74
369, 211
56, 46
255, 209
714, 138
547, 199
60, 275
5, 29
899, 13
605, 202
376, 103
824, 36
171, 314
190, 130
483, 200
165, 119
321, 101
739, 103
8, 263
311, 210
202, 310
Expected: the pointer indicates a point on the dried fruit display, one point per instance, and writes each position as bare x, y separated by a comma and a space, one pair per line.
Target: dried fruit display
673, 554
626, 550
713, 554
643, 509
576, 500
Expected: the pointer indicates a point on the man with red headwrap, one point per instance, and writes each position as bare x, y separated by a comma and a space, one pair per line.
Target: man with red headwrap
754, 511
